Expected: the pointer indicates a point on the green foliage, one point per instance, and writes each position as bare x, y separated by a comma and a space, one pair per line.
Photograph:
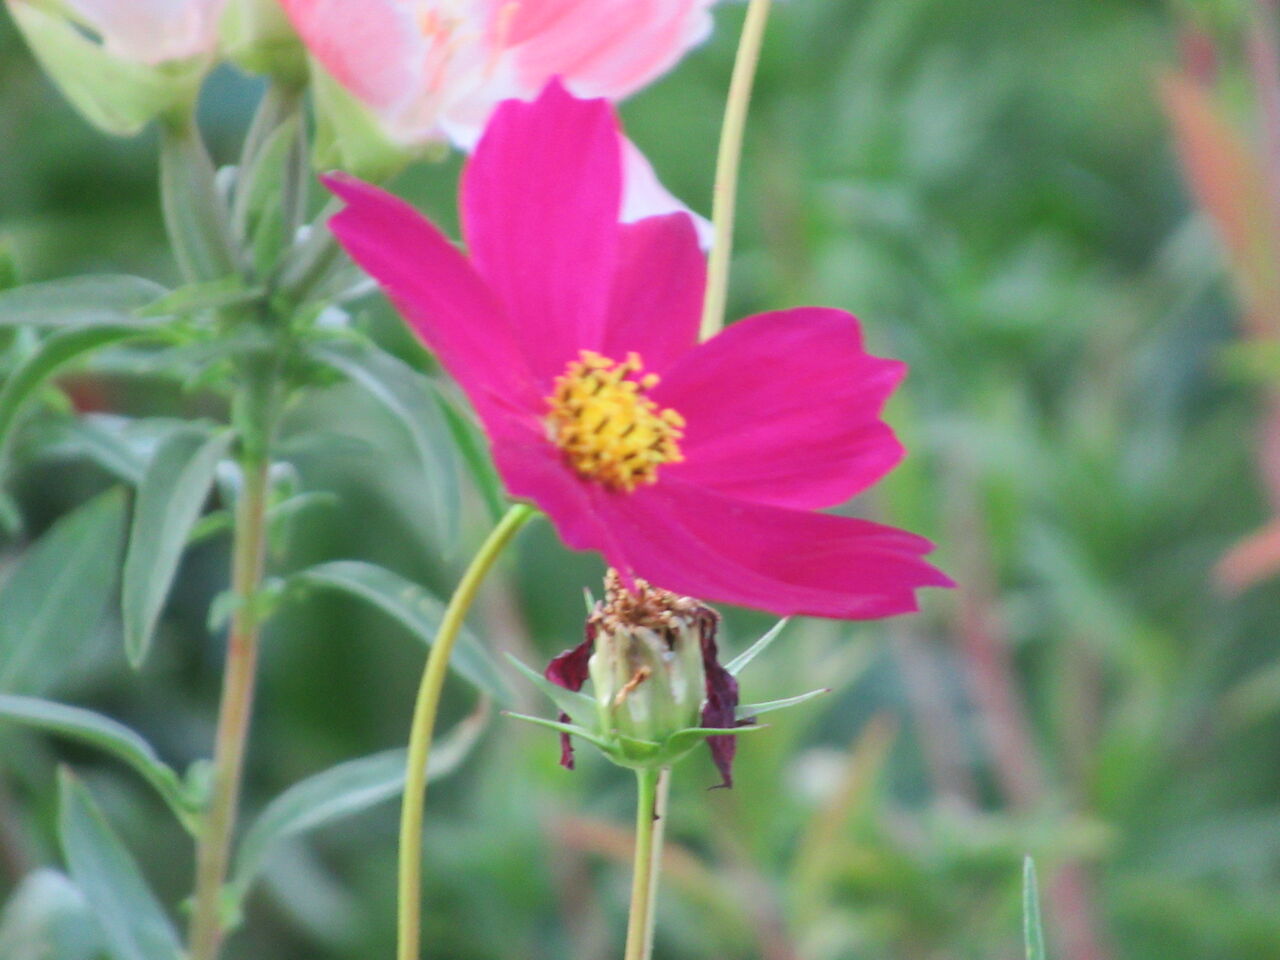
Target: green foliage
170, 498
107, 735
134, 926
414, 608
47, 918
1032, 928
54, 597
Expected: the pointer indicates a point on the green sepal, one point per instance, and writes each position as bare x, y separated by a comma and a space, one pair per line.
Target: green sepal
569, 701
748, 710
738, 663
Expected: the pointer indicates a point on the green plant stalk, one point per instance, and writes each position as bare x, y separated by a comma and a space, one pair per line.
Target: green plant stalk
651, 791
659, 835
728, 159
214, 844
409, 921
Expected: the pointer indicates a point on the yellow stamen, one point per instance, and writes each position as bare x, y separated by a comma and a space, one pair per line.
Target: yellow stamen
607, 426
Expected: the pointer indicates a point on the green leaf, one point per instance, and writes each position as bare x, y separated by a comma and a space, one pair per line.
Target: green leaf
107, 735
133, 923
48, 918
343, 791
408, 395
172, 492
739, 662
689, 736
416, 609
469, 439
50, 355
198, 297
193, 210
1032, 929
80, 302
270, 199
56, 594
572, 702
749, 710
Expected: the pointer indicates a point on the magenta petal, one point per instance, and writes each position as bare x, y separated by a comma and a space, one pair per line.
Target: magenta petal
534, 469
540, 204
784, 408
436, 290
703, 544
657, 291
569, 670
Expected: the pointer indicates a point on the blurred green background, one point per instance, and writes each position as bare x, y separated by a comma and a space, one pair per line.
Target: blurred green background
990, 186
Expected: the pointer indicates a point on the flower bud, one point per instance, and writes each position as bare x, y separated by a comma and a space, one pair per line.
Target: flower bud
147, 58
646, 668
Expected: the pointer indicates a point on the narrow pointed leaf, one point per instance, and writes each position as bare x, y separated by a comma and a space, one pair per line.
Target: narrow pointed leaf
198, 297
474, 450
134, 925
80, 302
1032, 928
105, 734
737, 664
569, 728
408, 396
48, 918
569, 701
415, 608
56, 594
51, 355
172, 492
343, 791
749, 710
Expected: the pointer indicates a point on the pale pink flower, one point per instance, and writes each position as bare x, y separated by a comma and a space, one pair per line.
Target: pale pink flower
435, 69
152, 31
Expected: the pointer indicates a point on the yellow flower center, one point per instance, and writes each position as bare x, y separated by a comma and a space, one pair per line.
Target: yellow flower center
608, 428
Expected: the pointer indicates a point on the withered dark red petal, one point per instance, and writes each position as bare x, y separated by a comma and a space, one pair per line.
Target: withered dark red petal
722, 699
569, 670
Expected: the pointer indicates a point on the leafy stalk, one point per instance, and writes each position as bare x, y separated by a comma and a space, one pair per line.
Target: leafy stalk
214, 849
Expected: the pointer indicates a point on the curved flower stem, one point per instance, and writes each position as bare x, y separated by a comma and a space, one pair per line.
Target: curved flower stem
651, 802
213, 850
424, 719
725, 191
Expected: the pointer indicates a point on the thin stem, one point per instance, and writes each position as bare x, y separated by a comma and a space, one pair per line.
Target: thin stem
644, 879
659, 835
424, 719
213, 850
725, 191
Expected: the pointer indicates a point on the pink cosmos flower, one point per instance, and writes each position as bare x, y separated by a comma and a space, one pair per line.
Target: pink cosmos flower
699, 467
435, 68
152, 31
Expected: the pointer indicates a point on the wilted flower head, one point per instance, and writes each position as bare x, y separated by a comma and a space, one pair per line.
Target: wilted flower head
699, 467
658, 686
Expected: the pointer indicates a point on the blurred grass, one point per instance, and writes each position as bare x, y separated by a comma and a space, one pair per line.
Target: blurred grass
989, 185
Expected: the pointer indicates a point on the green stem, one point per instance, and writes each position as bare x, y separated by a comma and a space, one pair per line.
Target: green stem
725, 191
424, 719
214, 846
651, 813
